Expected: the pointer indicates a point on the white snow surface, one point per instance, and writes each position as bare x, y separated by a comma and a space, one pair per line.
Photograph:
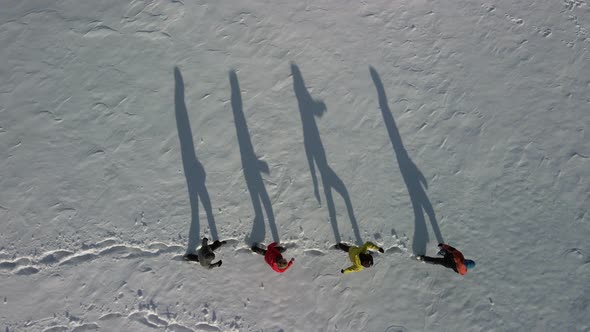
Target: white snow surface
421, 121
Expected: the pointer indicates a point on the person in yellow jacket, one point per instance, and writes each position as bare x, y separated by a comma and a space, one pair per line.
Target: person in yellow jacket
359, 256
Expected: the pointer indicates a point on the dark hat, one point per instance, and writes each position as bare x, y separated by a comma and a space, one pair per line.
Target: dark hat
366, 259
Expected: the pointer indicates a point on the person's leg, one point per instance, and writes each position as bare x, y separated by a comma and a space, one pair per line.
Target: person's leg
449, 261
434, 260
191, 257
343, 247
280, 249
446, 261
258, 250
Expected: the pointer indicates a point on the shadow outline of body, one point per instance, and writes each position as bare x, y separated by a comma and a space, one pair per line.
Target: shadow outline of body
193, 169
310, 108
252, 167
412, 176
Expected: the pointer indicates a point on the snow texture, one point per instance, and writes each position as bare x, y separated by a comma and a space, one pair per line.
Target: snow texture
129, 130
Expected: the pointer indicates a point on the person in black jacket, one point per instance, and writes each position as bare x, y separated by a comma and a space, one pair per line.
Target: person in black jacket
452, 259
205, 254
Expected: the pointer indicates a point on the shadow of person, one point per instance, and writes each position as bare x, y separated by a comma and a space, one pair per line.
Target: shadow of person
252, 167
316, 155
414, 179
193, 169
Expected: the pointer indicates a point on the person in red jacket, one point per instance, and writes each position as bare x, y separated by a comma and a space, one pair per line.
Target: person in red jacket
272, 256
452, 259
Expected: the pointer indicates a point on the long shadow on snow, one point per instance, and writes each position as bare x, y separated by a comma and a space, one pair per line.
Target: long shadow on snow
252, 167
412, 176
193, 169
316, 155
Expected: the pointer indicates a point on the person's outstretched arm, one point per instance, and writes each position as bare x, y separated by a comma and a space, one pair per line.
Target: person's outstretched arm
216, 245
447, 248
371, 246
290, 263
216, 264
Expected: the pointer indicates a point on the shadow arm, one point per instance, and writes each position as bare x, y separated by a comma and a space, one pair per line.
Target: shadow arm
263, 166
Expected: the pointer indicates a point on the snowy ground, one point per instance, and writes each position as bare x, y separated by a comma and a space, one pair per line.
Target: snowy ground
423, 121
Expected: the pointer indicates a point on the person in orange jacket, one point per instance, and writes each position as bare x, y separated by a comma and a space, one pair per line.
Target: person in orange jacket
452, 259
359, 256
272, 256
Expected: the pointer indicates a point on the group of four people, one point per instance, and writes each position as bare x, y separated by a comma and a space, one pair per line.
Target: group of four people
359, 256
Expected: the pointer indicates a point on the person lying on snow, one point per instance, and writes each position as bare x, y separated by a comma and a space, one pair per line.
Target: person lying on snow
453, 259
359, 256
205, 254
272, 256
